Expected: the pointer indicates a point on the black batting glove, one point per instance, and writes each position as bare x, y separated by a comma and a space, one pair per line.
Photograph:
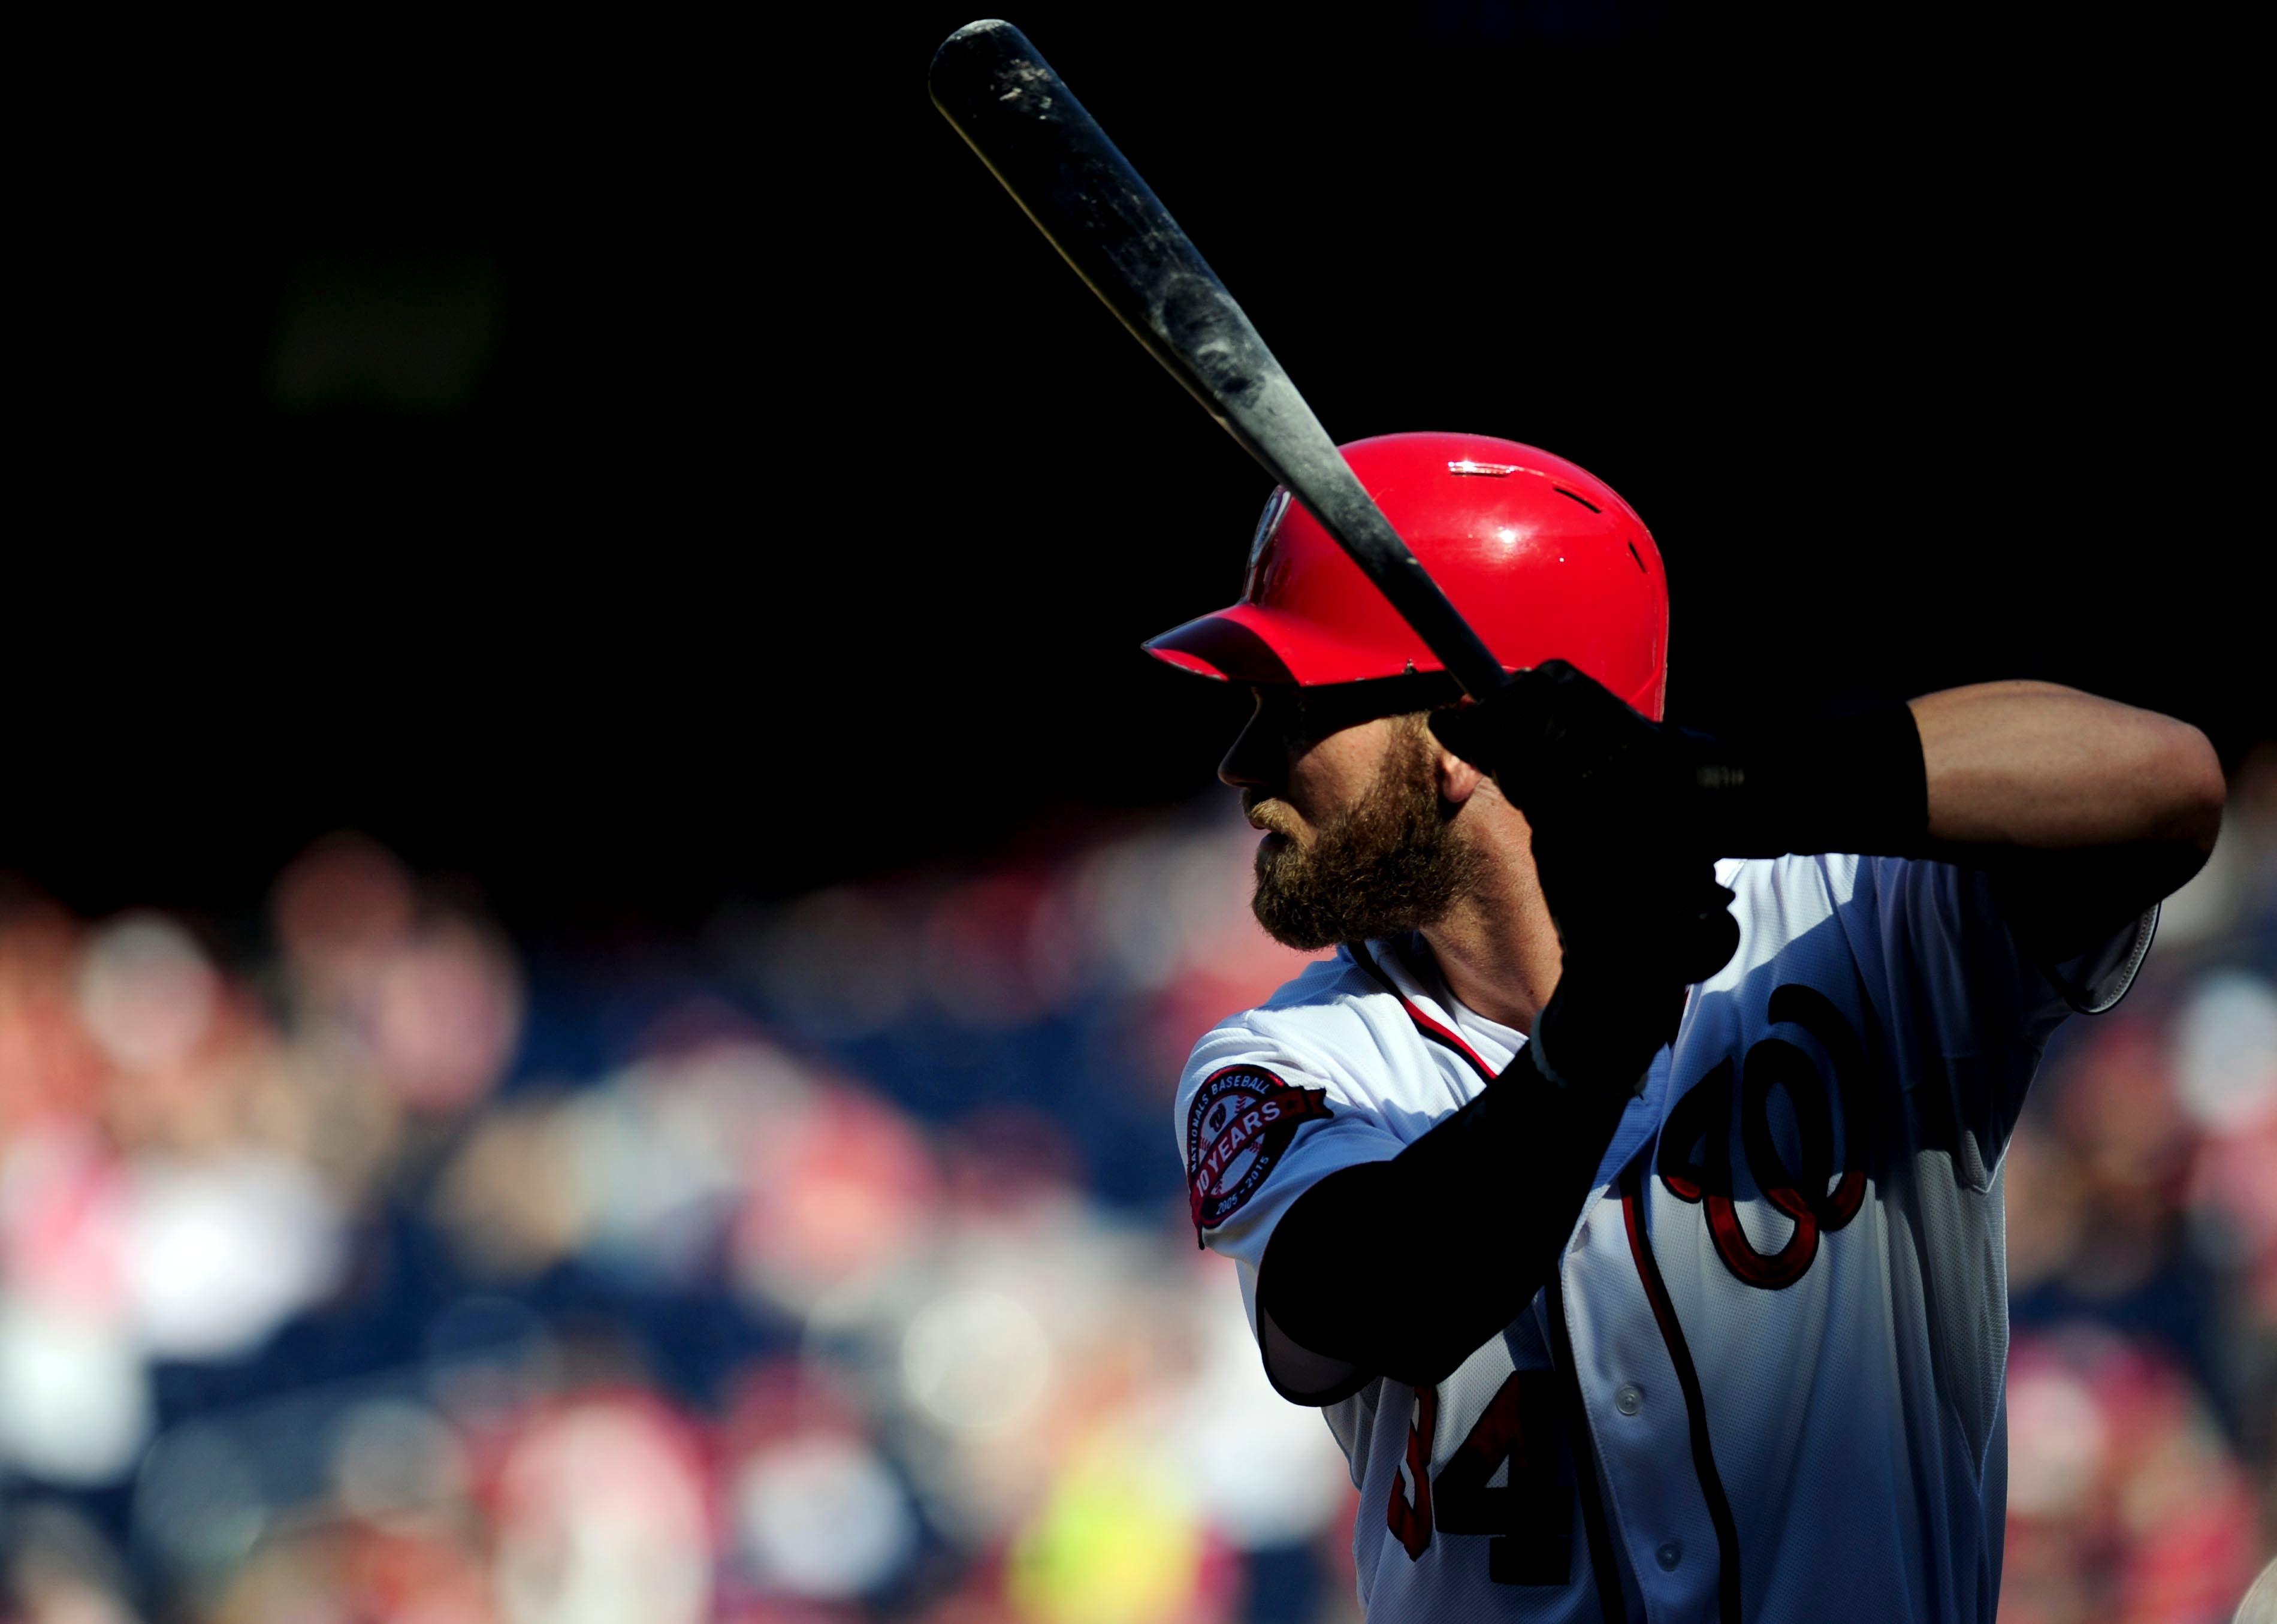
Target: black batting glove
1629, 817
1638, 911
1554, 739
1628, 881
1637, 924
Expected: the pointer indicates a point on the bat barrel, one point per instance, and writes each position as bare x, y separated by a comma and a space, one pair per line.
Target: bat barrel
1059, 165
1052, 155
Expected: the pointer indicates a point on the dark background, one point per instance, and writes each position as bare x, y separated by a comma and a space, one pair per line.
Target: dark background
635, 465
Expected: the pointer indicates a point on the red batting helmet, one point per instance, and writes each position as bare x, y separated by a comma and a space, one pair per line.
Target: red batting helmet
1542, 558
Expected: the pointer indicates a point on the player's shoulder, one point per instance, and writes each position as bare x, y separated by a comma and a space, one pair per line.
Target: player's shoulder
1835, 873
1822, 917
1318, 1004
1776, 896
1326, 1024
1772, 895
1325, 985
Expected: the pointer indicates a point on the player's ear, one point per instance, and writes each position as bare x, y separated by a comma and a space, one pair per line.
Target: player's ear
1457, 778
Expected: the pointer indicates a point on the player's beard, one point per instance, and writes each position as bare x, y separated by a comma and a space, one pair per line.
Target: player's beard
1392, 863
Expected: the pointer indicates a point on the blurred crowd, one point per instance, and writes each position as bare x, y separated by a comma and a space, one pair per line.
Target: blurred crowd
361, 1266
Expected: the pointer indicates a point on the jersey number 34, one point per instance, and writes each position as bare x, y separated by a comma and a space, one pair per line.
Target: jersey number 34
1530, 1519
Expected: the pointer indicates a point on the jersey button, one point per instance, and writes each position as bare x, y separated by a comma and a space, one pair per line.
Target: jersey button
1629, 1399
1668, 1555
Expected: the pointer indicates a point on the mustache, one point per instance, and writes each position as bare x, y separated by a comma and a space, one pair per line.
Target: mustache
1267, 812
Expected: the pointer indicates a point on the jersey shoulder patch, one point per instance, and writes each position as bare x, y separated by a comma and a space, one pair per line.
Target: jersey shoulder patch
1238, 1125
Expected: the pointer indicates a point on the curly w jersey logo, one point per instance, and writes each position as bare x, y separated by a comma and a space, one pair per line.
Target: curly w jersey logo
1807, 1139
1241, 1120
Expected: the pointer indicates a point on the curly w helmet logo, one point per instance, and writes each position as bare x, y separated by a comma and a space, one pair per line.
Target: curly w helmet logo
1695, 1161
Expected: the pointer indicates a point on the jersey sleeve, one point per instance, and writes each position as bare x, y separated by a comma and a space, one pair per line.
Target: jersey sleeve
1259, 1121
1944, 937
1967, 1008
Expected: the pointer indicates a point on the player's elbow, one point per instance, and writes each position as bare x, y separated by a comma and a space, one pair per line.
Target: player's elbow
2178, 793
1423, 1314
2196, 788
2177, 821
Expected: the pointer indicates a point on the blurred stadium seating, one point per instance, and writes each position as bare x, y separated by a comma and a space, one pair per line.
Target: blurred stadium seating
359, 1263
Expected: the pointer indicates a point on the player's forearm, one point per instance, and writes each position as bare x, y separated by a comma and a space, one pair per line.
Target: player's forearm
2088, 810
2083, 811
1456, 1234
2033, 765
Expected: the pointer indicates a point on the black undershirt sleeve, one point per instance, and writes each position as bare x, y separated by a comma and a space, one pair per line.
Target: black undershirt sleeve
1862, 784
1402, 1267
1858, 784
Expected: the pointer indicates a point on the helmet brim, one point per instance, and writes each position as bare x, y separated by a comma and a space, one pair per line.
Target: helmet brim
1244, 643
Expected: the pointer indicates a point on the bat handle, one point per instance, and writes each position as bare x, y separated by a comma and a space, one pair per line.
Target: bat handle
1317, 474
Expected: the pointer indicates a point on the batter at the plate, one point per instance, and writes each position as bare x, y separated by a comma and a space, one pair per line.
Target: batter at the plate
1627, 1188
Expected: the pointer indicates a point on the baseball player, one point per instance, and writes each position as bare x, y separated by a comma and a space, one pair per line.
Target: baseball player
1626, 1188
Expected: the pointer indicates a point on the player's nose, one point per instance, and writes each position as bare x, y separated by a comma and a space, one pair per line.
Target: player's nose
1255, 758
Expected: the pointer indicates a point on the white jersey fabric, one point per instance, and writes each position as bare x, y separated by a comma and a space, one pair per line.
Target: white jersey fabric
1780, 1324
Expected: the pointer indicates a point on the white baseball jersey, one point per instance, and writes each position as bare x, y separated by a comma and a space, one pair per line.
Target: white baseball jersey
1766, 1382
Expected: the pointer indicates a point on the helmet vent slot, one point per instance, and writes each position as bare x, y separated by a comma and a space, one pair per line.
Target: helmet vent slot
1639, 557
1578, 497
